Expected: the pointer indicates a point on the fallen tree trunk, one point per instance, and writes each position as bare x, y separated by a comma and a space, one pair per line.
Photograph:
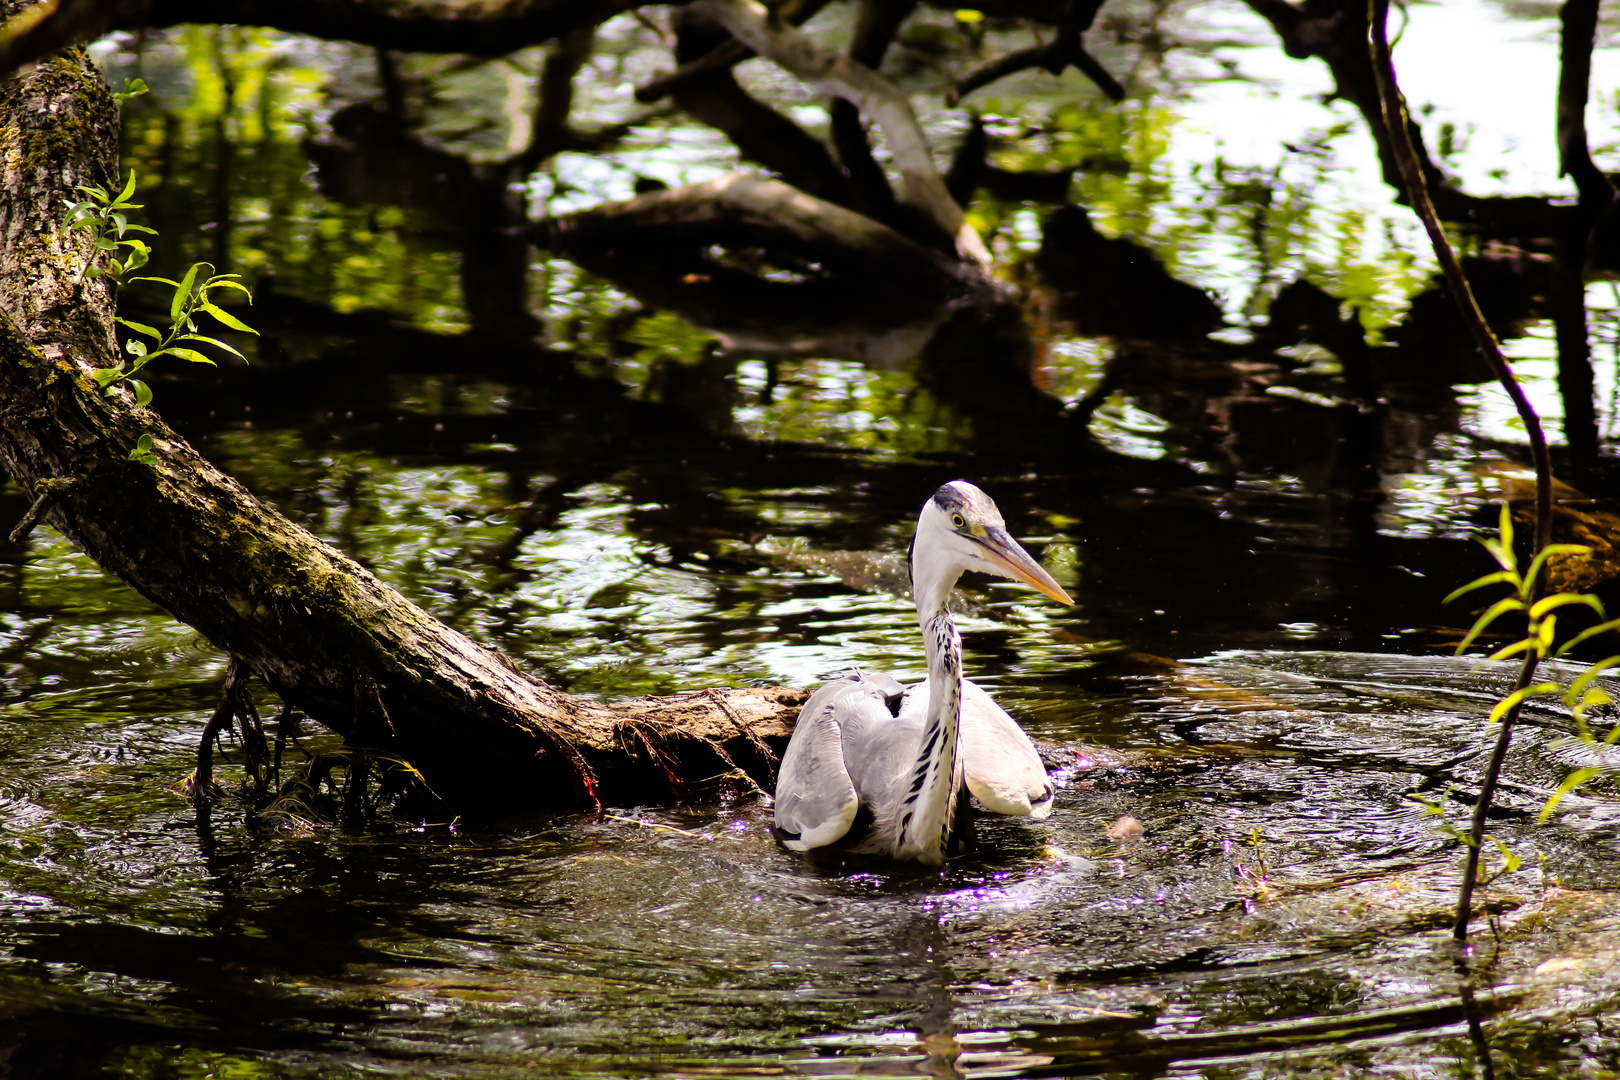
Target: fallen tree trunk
320, 630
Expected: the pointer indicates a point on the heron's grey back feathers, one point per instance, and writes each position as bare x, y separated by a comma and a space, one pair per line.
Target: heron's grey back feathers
815, 798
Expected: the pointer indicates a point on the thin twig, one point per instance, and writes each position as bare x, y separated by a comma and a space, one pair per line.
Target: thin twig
30, 519
1396, 124
50, 489
236, 675
725, 55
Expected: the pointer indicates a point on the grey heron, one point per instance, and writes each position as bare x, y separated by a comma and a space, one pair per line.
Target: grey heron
868, 751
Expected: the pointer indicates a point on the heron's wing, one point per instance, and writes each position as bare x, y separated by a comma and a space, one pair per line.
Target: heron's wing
1000, 764
816, 798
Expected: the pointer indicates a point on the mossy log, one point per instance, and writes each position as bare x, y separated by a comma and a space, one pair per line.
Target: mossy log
319, 629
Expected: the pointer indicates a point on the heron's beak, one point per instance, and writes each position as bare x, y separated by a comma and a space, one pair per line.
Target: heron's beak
1011, 560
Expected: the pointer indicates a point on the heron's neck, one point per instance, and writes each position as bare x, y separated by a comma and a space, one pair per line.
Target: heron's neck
930, 799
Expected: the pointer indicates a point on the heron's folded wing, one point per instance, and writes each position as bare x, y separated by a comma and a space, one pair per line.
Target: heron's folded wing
816, 801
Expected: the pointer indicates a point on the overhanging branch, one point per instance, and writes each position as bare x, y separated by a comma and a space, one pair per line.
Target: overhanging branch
837, 74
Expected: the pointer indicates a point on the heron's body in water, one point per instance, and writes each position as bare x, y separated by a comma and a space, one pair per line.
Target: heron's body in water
880, 767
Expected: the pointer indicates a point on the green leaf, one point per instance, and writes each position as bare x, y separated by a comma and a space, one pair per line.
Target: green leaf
143, 451
1510, 861
1588, 633
1479, 583
1587, 677
120, 222
227, 318
143, 393
129, 189
1522, 645
142, 228
1492, 613
182, 291
99, 192
1517, 698
135, 347
159, 280
140, 328
189, 354
220, 282
133, 88
1592, 699
106, 376
138, 256
1550, 550
1544, 635
218, 344
1571, 782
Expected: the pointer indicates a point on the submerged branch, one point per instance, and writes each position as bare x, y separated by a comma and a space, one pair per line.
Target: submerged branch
1396, 122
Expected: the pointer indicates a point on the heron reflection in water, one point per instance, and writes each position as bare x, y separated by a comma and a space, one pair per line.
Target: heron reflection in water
880, 767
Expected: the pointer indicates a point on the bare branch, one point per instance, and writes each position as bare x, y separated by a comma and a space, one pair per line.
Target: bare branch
752, 24
491, 28
1063, 51
725, 55
42, 28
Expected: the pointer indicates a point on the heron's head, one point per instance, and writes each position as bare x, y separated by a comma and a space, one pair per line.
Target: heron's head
961, 529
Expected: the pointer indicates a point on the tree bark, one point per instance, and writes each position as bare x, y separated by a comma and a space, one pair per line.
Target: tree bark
320, 630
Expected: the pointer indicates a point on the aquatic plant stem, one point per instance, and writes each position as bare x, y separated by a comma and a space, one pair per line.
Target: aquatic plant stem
1396, 124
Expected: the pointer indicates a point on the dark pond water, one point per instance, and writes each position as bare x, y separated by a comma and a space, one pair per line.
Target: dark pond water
1255, 670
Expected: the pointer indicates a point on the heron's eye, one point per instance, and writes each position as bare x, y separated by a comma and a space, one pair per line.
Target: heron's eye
957, 522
